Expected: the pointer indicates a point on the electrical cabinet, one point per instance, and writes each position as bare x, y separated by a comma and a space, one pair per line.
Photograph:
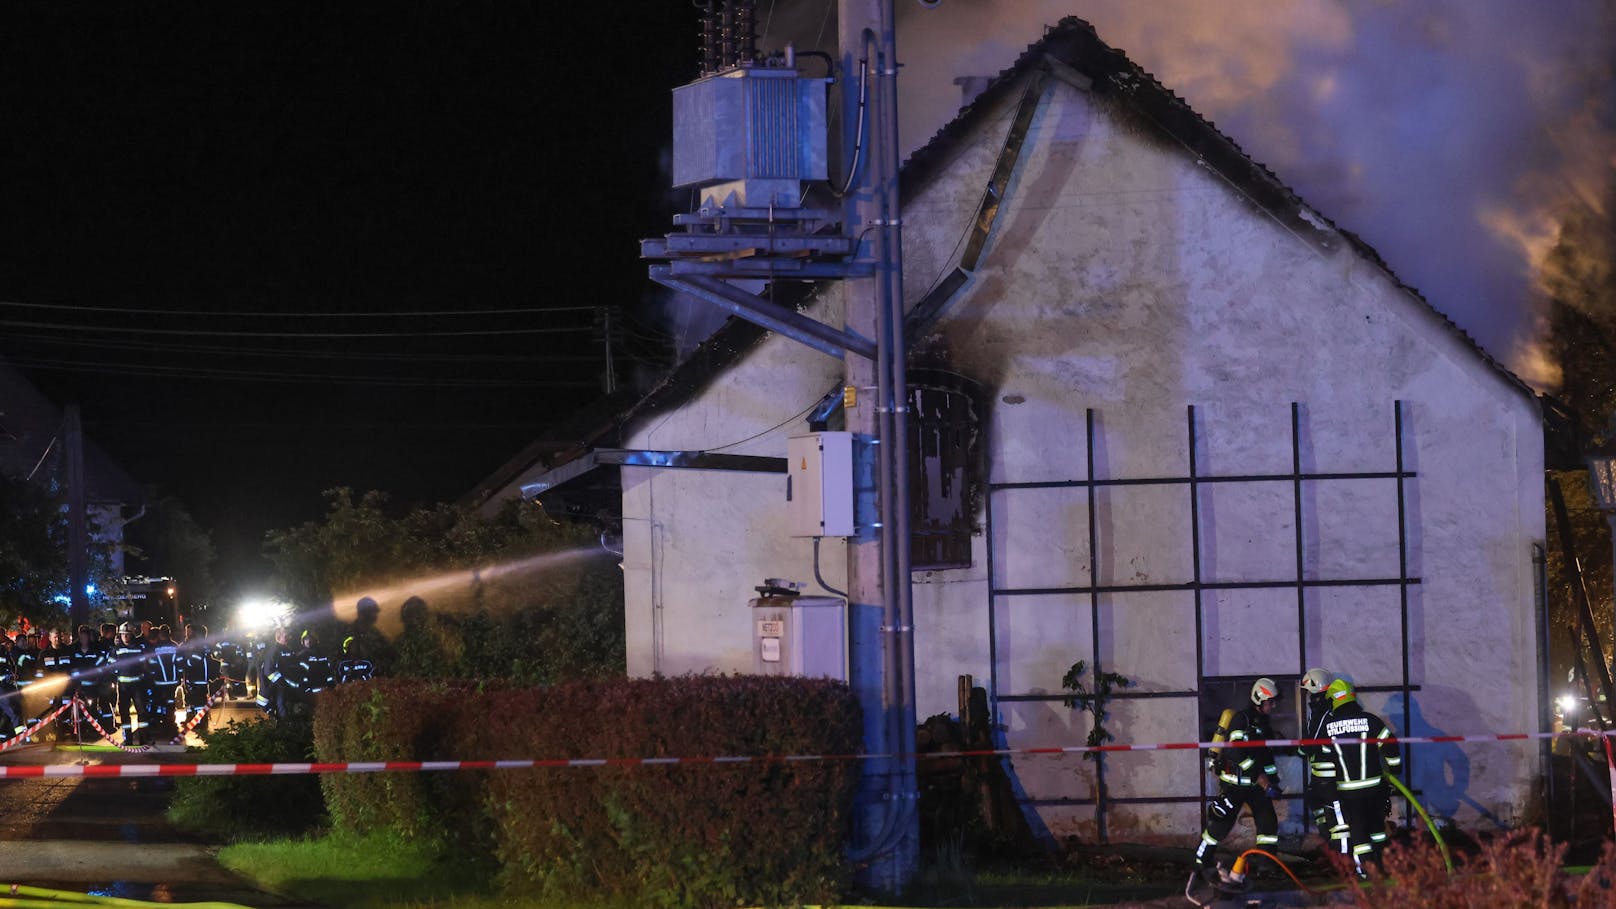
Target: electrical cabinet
819, 485
802, 636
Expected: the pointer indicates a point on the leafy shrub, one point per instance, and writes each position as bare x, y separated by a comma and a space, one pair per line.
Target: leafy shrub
686, 835
1520, 870
400, 720
250, 807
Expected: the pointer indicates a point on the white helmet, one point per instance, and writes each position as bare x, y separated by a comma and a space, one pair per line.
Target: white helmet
1263, 691
1314, 681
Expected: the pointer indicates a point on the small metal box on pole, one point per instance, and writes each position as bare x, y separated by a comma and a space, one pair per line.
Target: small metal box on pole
819, 485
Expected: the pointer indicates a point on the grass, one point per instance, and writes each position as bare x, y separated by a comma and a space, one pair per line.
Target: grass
374, 872
385, 872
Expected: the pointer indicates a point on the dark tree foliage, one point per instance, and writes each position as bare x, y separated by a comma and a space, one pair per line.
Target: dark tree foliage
516, 596
166, 541
33, 553
1581, 342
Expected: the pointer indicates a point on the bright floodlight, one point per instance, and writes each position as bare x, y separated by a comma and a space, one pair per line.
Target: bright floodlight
1568, 704
261, 613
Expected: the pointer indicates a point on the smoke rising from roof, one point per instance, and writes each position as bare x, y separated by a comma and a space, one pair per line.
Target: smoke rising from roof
1455, 136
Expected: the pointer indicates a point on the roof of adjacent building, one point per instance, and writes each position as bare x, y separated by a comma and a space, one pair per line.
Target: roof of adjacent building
1072, 43
31, 443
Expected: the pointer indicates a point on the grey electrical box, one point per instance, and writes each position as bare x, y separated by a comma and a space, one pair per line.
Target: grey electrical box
750, 136
797, 635
819, 485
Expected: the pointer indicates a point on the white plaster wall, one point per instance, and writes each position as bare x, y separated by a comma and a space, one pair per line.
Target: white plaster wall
696, 543
1127, 278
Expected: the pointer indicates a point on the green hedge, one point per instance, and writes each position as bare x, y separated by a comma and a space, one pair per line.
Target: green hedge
690, 835
251, 807
399, 720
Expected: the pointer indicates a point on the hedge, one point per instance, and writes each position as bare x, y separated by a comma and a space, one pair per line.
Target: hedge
400, 719
251, 807
768, 833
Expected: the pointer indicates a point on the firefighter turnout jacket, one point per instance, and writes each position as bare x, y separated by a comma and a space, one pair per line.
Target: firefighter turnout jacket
1242, 766
1353, 765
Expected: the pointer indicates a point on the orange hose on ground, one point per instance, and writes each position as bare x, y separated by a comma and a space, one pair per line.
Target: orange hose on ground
1240, 866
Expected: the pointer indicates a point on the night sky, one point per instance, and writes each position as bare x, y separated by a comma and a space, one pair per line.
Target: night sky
204, 172
262, 163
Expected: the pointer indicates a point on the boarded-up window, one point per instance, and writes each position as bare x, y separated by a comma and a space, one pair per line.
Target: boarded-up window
945, 430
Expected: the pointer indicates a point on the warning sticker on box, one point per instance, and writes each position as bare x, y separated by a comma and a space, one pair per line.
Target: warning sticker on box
772, 628
771, 650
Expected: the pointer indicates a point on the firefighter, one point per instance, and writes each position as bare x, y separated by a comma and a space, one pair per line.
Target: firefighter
129, 669
53, 651
354, 667
1362, 755
84, 665
1320, 765
196, 671
163, 683
10, 693
1246, 776
279, 661
231, 663
313, 674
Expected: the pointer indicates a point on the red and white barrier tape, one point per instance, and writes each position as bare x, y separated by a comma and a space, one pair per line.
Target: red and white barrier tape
196, 718
109, 770
29, 732
131, 749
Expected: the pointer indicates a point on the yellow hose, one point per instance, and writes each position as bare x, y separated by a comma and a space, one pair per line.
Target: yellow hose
21, 896
1446, 859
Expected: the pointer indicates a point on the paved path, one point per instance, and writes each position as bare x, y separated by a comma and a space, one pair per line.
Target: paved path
108, 836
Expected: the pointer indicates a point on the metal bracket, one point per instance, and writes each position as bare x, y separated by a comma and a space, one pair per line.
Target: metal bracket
794, 325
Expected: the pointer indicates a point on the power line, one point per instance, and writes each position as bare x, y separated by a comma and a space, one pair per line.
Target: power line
158, 347
262, 314
190, 332
291, 378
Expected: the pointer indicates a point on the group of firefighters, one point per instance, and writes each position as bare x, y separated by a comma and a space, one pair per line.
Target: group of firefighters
1353, 752
137, 675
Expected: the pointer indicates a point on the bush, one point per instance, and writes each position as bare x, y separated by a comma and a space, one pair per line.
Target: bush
251, 807
1520, 870
687, 835
400, 720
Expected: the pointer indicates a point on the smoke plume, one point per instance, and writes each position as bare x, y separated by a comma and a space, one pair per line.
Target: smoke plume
1460, 138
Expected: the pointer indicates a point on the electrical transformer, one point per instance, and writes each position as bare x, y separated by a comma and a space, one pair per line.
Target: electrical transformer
749, 137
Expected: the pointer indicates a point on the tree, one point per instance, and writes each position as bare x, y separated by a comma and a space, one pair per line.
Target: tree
33, 553
517, 596
1578, 275
168, 541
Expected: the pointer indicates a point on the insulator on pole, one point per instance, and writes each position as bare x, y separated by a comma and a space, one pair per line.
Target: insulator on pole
726, 35
745, 31
709, 38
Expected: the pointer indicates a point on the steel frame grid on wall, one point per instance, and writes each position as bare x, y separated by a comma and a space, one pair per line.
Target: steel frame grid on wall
1198, 586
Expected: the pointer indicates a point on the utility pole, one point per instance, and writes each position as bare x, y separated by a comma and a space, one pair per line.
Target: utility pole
606, 330
881, 633
78, 537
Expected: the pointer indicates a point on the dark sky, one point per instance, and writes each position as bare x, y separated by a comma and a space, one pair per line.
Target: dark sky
243, 166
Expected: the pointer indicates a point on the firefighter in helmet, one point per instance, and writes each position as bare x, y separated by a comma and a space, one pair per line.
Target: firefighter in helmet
1247, 775
1363, 751
1320, 764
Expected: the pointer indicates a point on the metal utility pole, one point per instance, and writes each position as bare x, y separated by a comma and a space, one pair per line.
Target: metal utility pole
881, 632
755, 223
606, 331
78, 536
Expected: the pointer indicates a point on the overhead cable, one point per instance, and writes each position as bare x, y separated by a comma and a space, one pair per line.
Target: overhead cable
265, 314
192, 332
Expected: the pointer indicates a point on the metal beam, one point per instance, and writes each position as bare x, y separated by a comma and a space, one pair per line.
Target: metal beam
926, 313
794, 325
641, 457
